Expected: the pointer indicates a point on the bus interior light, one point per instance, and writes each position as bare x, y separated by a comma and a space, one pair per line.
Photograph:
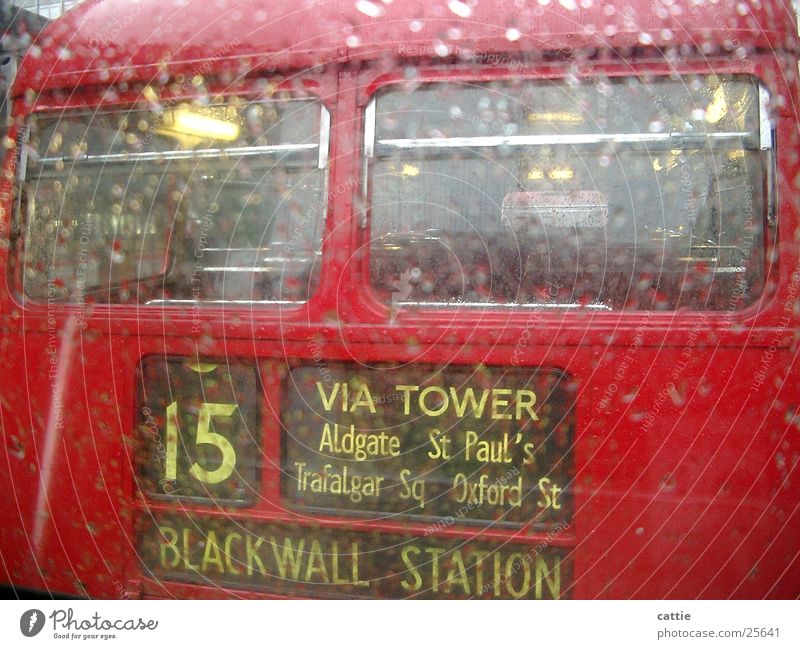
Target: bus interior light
560, 173
190, 123
562, 116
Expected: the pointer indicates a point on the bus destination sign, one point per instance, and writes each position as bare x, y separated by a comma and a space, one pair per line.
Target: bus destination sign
471, 444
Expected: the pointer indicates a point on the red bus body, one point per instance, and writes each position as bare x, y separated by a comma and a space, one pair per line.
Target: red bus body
685, 450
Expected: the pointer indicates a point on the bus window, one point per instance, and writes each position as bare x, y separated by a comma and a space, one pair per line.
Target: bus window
613, 193
188, 203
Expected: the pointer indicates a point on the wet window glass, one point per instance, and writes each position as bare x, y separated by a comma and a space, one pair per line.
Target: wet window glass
180, 203
608, 193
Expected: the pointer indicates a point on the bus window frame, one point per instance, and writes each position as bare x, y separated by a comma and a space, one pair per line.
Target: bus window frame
761, 312
303, 85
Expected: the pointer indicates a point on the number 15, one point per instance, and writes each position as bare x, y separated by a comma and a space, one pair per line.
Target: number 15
204, 436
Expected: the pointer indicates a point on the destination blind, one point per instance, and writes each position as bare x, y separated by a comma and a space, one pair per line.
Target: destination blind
472, 444
301, 560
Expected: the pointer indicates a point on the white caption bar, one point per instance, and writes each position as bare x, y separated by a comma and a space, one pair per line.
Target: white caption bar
351, 624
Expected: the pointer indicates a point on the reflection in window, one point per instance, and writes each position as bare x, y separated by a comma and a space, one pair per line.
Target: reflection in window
609, 194
191, 203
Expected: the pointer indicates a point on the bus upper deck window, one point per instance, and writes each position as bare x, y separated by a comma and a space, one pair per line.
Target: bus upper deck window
615, 193
219, 203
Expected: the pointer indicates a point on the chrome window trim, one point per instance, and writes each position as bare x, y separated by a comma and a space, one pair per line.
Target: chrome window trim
181, 154
570, 306
324, 137
185, 301
742, 139
765, 124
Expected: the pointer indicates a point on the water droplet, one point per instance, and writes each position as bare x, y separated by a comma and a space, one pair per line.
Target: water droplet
369, 8
352, 41
441, 48
656, 126
569, 5
645, 38
459, 8
639, 531
415, 26
513, 34
698, 114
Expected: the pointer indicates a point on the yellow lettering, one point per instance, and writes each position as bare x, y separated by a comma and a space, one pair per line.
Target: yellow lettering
551, 577
435, 554
497, 574
458, 567
169, 541
356, 580
406, 390
212, 554
412, 568
544, 483
315, 555
440, 445
228, 560
327, 400
469, 396
252, 555
335, 564
498, 402
549, 493
479, 555
325, 442
526, 400
186, 562
514, 563
444, 402
288, 557
363, 398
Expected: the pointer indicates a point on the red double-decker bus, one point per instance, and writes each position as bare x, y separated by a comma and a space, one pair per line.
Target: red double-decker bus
403, 299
